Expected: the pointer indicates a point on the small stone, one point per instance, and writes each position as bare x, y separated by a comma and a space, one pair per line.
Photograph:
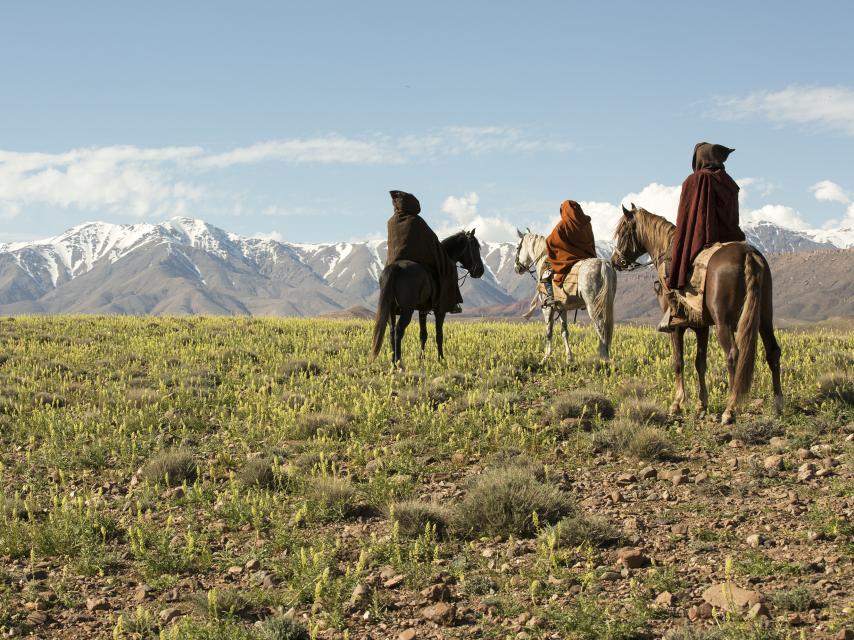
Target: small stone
143, 592
394, 582
680, 529
701, 477
437, 593
812, 536
729, 597
96, 604
700, 612
235, 570
168, 615
361, 594
804, 454
778, 442
36, 618
615, 497
443, 614
664, 599
407, 634
774, 463
806, 472
610, 576
626, 479
387, 572
631, 558
754, 540
844, 634
458, 458
647, 473
252, 565
759, 610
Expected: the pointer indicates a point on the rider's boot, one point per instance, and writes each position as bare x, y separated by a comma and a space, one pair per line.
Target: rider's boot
550, 291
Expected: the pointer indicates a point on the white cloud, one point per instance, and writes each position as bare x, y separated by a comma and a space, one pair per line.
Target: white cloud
165, 181
657, 198
827, 107
828, 191
118, 179
463, 212
778, 214
271, 235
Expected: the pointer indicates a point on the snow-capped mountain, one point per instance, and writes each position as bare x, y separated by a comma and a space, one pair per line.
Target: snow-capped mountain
186, 265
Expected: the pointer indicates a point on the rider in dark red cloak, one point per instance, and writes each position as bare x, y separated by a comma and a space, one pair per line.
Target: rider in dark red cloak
708, 213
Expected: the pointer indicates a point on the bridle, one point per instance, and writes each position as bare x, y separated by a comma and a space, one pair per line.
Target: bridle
461, 280
529, 268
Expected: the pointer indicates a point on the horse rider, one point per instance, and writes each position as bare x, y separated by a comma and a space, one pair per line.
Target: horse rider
708, 213
411, 238
569, 242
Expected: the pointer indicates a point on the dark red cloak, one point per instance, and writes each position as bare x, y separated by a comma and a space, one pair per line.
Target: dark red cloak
411, 238
708, 213
571, 240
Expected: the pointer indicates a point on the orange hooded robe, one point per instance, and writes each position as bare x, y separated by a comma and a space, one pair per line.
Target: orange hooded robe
571, 240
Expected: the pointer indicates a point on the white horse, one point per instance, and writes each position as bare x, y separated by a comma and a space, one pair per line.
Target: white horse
597, 285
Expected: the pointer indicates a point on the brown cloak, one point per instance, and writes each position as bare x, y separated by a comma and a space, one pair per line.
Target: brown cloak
411, 238
708, 211
570, 241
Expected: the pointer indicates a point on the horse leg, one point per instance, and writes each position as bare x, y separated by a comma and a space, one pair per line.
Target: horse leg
564, 332
772, 357
422, 324
402, 323
392, 335
677, 345
549, 315
700, 364
726, 336
440, 335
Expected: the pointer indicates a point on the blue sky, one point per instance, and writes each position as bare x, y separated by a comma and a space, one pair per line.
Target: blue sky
295, 119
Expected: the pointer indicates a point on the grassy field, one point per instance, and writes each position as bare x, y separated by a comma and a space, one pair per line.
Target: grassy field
246, 478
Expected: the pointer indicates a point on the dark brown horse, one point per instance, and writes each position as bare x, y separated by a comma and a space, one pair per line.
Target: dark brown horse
737, 302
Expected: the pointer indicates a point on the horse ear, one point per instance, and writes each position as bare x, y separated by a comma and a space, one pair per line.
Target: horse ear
628, 213
528, 229
519, 233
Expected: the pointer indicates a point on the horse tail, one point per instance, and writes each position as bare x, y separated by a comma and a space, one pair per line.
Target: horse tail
603, 303
748, 325
384, 307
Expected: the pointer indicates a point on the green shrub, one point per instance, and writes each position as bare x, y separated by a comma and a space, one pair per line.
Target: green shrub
173, 467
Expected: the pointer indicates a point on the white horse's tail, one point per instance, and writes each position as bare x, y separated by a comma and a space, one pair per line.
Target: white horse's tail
603, 304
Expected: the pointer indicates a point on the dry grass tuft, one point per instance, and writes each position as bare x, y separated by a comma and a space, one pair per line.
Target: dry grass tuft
324, 423
642, 411
504, 500
296, 368
413, 516
265, 473
172, 467
628, 438
282, 628
582, 403
757, 431
583, 529
838, 387
336, 496
50, 399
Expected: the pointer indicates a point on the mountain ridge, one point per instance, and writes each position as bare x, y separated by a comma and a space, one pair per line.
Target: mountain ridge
186, 265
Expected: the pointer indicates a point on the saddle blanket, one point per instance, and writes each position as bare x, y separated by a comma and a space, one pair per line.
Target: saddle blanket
691, 297
566, 295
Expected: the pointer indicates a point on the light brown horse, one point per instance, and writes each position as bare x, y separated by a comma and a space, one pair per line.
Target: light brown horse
737, 302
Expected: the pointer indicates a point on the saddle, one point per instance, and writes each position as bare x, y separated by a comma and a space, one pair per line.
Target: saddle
566, 295
690, 299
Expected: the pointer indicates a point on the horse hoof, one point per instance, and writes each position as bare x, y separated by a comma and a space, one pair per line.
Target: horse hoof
675, 409
778, 406
728, 417
700, 414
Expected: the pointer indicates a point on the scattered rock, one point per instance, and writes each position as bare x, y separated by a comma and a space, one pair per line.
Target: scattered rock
235, 570
729, 597
407, 634
806, 472
844, 634
700, 612
437, 593
394, 582
664, 599
443, 614
168, 615
631, 558
647, 473
754, 540
143, 592
252, 565
97, 604
773, 463
625, 479
361, 595
759, 610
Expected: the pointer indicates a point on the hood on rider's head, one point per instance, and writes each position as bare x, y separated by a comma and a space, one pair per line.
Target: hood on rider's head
405, 203
709, 156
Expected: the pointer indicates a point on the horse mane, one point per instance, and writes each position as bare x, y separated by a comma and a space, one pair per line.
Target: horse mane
652, 229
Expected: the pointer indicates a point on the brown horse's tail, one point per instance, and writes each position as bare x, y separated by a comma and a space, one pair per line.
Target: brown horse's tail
384, 307
748, 324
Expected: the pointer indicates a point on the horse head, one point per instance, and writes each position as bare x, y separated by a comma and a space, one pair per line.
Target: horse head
463, 247
525, 257
627, 248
